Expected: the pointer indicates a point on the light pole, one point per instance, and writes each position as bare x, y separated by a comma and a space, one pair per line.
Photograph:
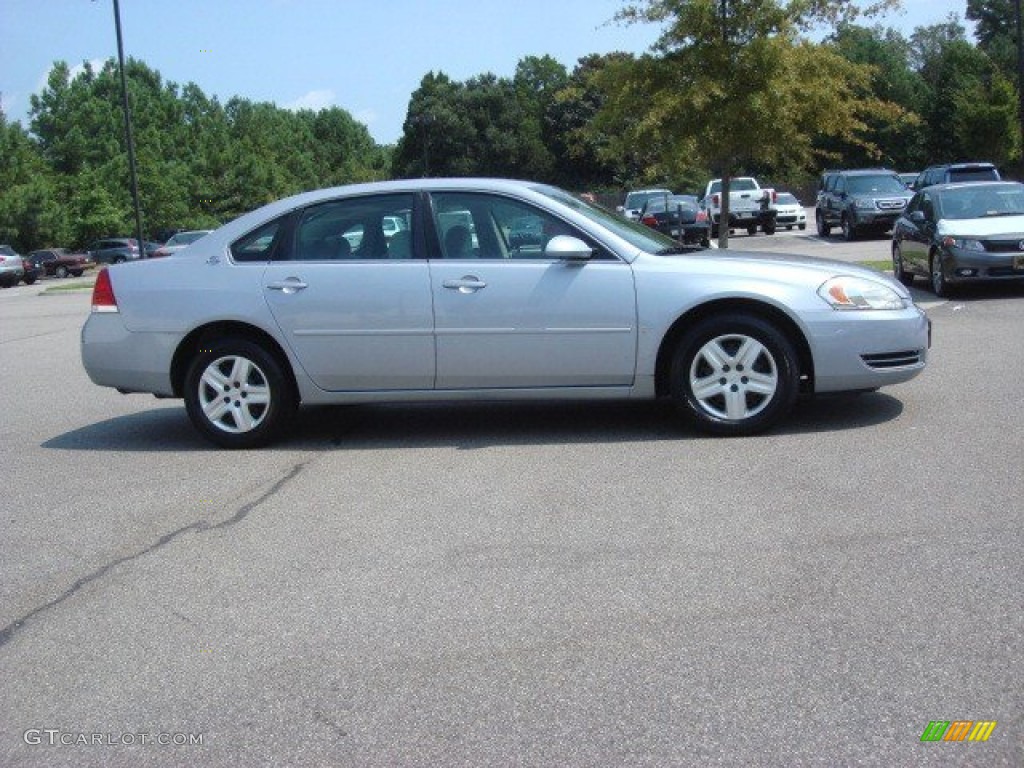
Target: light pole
128, 133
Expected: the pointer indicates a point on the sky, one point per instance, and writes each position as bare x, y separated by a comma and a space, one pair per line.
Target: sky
364, 56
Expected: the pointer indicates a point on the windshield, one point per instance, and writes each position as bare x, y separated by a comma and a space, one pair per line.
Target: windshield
740, 184
636, 234
881, 184
982, 201
787, 199
186, 238
636, 200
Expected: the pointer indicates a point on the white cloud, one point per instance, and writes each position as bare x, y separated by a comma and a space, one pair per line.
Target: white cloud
75, 71
366, 116
314, 100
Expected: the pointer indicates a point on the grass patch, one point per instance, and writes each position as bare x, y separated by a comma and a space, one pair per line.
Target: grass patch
69, 288
882, 265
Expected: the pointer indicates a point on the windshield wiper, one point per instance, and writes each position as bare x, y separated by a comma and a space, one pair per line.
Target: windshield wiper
995, 214
674, 249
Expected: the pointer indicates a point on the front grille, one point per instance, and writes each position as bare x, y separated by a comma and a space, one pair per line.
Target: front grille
891, 205
1003, 246
885, 360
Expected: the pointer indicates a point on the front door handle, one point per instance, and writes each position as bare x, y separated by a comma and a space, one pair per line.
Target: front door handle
466, 284
289, 285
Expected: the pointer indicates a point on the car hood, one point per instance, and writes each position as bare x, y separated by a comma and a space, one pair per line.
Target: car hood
771, 266
1010, 226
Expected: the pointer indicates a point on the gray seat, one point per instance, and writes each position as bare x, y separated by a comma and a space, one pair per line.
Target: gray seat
458, 243
400, 245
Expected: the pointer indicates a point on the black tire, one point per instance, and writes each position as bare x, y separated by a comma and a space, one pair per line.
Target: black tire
802, 226
937, 277
243, 420
769, 229
61, 271
77, 272
824, 228
746, 343
849, 230
29, 280
752, 230
119, 260
907, 278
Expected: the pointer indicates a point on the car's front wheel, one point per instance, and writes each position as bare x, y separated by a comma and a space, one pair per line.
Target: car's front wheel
61, 271
907, 278
824, 228
237, 394
734, 375
849, 230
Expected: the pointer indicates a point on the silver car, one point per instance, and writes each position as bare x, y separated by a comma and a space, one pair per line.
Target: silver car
279, 308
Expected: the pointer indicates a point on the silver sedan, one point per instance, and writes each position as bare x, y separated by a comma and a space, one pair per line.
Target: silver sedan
307, 301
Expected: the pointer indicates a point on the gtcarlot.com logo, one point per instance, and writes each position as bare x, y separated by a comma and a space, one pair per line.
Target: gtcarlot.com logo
56, 737
958, 730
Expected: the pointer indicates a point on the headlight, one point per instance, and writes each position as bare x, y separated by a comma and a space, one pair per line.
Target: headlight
863, 204
848, 292
963, 243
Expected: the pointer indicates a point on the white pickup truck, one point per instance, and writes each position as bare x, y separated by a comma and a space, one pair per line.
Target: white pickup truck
750, 205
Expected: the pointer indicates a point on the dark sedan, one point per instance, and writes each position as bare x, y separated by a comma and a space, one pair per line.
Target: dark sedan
956, 234
678, 216
60, 262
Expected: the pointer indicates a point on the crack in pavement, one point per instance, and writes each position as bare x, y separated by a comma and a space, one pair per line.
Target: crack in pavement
200, 526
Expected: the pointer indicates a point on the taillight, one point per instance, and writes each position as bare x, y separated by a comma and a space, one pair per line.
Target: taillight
702, 216
103, 299
649, 220
715, 200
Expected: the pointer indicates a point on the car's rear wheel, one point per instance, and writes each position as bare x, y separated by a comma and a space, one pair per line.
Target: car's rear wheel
907, 278
824, 228
237, 394
769, 229
752, 230
77, 272
61, 271
734, 375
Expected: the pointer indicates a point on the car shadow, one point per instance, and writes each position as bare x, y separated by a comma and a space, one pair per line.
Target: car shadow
469, 426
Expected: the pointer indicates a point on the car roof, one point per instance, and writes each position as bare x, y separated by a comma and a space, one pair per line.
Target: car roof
973, 185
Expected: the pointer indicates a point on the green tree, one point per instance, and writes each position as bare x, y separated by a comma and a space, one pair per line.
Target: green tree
971, 110
738, 90
900, 143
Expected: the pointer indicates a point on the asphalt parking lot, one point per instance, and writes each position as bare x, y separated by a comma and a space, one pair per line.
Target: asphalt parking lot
528, 585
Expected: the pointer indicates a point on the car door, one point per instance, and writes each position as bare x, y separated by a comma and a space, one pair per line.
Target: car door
356, 318
916, 236
509, 315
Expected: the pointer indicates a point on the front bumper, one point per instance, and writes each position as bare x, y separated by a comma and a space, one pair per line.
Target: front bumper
964, 266
877, 349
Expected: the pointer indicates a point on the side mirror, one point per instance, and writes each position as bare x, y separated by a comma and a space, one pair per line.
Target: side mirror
568, 248
917, 217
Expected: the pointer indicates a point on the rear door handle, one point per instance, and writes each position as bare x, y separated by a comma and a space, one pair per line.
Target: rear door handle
289, 285
467, 284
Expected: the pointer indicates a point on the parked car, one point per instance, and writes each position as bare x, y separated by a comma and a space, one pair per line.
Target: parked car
12, 267
789, 212
678, 216
635, 200
253, 320
60, 262
955, 234
180, 241
909, 179
114, 250
860, 201
952, 172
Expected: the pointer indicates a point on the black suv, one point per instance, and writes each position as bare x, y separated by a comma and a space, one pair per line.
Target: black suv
858, 201
950, 172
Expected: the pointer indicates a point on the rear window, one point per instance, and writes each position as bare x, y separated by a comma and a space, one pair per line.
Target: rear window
973, 174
